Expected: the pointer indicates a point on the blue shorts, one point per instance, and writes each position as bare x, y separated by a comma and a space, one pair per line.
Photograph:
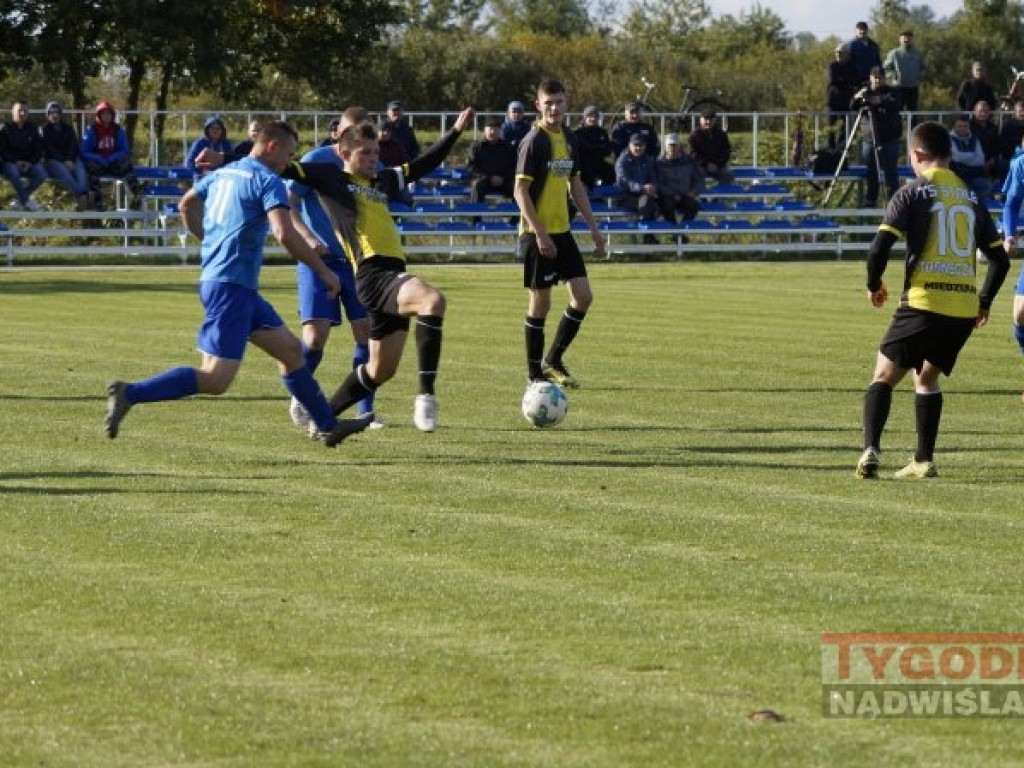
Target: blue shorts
233, 312
314, 303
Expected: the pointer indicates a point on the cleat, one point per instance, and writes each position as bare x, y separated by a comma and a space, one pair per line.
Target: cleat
346, 428
32, 205
424, 413
376, 422
559, 374
117, 407
299, 414
917, 470
867, 466
16, 205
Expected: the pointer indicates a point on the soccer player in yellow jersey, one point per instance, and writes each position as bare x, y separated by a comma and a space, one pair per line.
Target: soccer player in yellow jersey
546, 169
943, 223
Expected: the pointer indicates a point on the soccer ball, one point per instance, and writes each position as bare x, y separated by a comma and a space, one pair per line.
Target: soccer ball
545, 404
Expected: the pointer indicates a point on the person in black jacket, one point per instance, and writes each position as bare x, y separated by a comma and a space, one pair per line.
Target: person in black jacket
976, 89
881, 131
594, 145
491, 163
21, 149
61, 155
842, 84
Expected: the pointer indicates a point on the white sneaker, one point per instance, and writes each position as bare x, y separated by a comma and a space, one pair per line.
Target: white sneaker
16, 206
32, 205
424, 413
300, 416
377, 423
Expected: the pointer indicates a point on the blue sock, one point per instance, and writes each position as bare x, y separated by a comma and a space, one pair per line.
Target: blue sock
1018, 333
303, 387
172, 384
313, 357
360, 356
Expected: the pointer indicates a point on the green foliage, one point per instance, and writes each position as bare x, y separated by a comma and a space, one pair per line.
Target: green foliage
557, 18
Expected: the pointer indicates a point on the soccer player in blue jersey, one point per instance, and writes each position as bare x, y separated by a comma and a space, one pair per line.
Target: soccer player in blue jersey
1013, 190
319, 312
231, 211
944, 224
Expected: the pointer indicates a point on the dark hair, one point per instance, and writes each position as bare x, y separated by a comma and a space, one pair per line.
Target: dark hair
932, 139
354, 133
550, 85
277, 130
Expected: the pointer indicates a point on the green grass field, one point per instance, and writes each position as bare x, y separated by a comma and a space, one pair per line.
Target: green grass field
213, 589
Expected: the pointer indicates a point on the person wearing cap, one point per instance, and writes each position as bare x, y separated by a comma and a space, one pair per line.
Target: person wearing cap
491, 163
904, 66
62, 156
594, 146
711, 148
215, 136
21, 149
516, 125
631, 124
332, 133
881, 133
975, 89
402, 129
680, 181
392, 151
637, 181
864, 53
842, 84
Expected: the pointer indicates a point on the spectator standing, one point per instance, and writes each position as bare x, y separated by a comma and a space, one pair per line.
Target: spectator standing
636, 178
905, 67
987, 131
21, 148
62, 155
975, 89
332, 133
392, 151
491, 163
105, 152
594, 145
880, 140
516, 125
711, 148
967, 159
842, 84
401, 129
630, 125
215, 136
679, 180
864, 53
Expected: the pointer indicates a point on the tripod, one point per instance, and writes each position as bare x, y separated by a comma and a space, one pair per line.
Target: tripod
851, 137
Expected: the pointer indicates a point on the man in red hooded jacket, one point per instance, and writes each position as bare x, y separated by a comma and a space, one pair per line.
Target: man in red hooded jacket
106, 153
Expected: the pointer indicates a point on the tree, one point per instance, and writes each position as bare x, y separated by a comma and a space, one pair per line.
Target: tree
558, 18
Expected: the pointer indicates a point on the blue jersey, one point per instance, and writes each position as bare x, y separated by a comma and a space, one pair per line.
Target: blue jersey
1013, 189
235, 225
313, 214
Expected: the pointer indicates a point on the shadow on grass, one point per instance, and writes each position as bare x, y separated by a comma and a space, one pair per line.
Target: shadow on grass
9, 483
33, 287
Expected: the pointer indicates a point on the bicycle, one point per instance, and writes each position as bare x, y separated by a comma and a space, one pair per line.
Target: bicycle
1015, 91
693, 101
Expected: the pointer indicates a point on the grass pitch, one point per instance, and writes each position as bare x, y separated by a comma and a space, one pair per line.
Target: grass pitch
212, 589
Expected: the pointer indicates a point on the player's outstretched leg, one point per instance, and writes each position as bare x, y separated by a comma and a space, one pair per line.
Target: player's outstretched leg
117, 407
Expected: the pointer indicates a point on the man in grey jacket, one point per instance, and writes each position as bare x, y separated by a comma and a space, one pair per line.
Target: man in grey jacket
679, 180
904, 66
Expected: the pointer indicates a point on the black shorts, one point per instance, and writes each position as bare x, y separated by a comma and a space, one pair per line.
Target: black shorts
916, 336
378, 281
539, 272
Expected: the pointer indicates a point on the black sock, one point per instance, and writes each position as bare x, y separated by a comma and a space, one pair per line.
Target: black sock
928, 412
428, 349
534, 329
568, 327
354, 388
877, 401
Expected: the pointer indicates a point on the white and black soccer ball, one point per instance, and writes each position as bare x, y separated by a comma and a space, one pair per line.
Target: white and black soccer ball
545, 404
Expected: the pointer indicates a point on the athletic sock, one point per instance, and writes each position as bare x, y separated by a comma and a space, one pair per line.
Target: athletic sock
172, 384
361, 356
534, 329
1018, 333
428, 350
568, 327
313, 357
928, 412
303, 387
354, 388
877, 402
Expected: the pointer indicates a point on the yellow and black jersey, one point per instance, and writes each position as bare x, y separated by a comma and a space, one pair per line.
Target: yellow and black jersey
943, 224
547, 159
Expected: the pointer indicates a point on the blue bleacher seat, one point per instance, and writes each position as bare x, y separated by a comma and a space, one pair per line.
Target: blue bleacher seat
496, 226
736, 224
698, 224
399, 208
794, 205
464, 207
432, 208
715, 206
776, 224
725, 189
753, 206
413, 226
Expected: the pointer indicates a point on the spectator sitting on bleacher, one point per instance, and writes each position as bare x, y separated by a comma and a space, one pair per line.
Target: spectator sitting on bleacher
637, 181
711, 148
392, 151
593, 147
402, 130
630, 125
21, 149
516, 125
215, 136
679, 181
62, 155
968, 159
491, 163
987, 132
106, 152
